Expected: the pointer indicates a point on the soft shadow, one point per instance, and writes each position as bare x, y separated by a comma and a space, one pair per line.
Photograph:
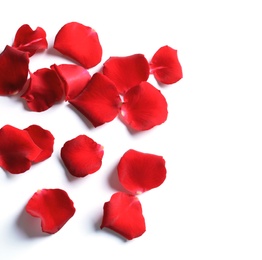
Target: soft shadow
53, 52
113, 180
68, 175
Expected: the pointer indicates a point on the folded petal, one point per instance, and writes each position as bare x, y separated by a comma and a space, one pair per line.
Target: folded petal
80, 43
139, 172
82, 156
144, 107
165, 65
127, 72
123, 214
13, 70
53, 207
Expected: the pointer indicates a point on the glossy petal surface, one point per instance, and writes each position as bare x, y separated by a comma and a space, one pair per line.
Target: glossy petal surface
123, 214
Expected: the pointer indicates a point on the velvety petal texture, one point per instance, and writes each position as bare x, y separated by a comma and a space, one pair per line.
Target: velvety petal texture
53, 207
144, 107
123, 214
80, 43
82, 156
139, 172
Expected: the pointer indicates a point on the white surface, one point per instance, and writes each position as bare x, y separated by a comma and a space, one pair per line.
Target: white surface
209, 207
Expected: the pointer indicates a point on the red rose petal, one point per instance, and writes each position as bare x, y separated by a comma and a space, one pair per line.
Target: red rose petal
144, 107
43, 139
139, 172
53, 207
80, 43
17, 149
82, 156
165, 65
45, 89
99, 102
30, 41
13, 70
74, 78
127, 72
123, 214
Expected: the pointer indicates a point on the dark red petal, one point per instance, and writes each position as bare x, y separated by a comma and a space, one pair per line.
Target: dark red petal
13, 70
127, 72
80, 43
53, 207
30, 41
139, 172
123, 214
165, 65
144, 107
74, 77
82, 156
43, 139
99, 102
45, 89
17, 149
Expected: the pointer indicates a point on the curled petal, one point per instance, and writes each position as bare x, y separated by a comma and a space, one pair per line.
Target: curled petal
127, 72
80, 43
13, 70
53, 207
31, 41
144, 107
123, 214
139, 172
165, 65
99, 102
82, 156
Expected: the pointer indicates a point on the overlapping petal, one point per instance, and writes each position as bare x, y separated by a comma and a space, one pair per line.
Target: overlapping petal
123, 214
53, 206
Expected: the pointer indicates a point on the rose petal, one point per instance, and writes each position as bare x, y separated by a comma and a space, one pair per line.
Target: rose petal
139, 172
80, 43
31, 41
127, 72
165, 65
144, 107
99, 102
43, 139
53, 207
82, 156
123, 214
13, 70
45, 89
17, 149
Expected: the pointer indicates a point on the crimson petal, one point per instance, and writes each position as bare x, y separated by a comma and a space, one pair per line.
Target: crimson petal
82, 156
123, 214
165, 65
127, 72
53, 207
80, 43
13, 70
139, 172
99, 102
144, 107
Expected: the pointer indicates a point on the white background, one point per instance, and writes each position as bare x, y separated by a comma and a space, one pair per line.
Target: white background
210, 205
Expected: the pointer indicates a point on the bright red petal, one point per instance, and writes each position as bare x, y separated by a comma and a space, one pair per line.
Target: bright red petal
80, 43
139, 172
45, 89
99, 102
43, 139
53, 207
165, 66
144, 107
74, 77
30, 41
17, 149
127, 72
82, 156
123, 214
13, 70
